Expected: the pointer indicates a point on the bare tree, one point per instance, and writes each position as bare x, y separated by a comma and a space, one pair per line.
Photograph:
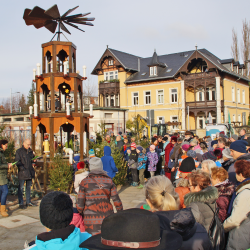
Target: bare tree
235, 47
245, 50
89, 88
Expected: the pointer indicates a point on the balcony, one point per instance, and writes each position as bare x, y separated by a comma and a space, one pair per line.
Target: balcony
200, 75
203, 104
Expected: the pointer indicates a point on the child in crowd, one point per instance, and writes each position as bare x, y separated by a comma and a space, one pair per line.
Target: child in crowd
75, 162
80, 175
56, 213
152, 160
141, 166
109, 163
132, 164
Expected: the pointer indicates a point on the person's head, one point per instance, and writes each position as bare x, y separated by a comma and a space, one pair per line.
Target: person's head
160, 194
193, 142
198, 180
112, 133
226, 154
196, 137
132, 139
91, 153
133, 146
238, 148
107, 137
185, 148
217, 153
27, 143
173, 139
56, 210
242, 132
242, 170
3, 144
203, 146
154, 141
234, 138
118, 138
207, 165
159, 138
218, 175
125, 140
179, 140
191, 153
214, 144
152, 148
76, 158
95, 163
187, 166
125, 137
222, 142
80, 165
188, 134
139, 149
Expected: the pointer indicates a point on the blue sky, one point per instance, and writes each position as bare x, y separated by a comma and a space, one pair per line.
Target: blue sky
137, 27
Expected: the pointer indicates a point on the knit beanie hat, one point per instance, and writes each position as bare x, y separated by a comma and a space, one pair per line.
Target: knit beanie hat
77, 158
56, 210
235, 137
191, 153
174, 138
152, 147
185, 147
187, 165
226, 153
239, 146
80, 165
140, 148
209, 156
214, 142
91, 153
95, 163
133, 145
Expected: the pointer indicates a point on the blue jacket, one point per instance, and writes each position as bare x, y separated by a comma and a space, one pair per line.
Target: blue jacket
71, 243
142, 161
108, 162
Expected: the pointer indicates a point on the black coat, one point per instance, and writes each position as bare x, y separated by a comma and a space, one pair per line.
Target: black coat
194, 235
24, 163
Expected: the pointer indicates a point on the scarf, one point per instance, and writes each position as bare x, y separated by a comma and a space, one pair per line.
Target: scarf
230, 208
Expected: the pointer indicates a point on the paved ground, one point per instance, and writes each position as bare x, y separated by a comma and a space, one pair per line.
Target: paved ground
24, 225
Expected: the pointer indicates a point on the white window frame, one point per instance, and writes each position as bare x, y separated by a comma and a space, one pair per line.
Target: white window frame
171, 119
157, 96
239, 118
153, 71
202, 94
109, 73
238, 95
111, 62
243, 97
147, 96
234, 120
210, 93
160, 119
170, 95
133, 104
233, 94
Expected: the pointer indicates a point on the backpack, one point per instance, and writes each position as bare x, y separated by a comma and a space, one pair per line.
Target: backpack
216, 231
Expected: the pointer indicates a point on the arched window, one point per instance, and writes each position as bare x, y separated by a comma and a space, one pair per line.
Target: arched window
61, 56
49, 64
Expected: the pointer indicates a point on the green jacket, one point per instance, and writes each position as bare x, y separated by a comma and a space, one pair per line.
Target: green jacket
3, 168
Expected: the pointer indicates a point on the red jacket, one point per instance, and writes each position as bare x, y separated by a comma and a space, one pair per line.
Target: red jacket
168, 149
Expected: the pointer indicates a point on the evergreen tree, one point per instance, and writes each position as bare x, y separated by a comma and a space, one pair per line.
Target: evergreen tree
22, 104
30, 97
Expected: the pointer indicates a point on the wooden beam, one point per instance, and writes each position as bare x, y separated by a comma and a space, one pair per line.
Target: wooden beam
52, 97
51, 141
81, 138
75, 95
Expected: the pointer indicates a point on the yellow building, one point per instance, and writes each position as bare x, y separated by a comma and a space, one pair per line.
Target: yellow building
192, 88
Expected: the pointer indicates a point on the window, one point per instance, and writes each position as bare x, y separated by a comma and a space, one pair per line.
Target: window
107, 101
111, 62
108, 115
161, 119
239, 118
238, 95
234, 120
210, 93
160, 96
147, 97
173, 94
135, 99
243, 97
111, 75
233, 94
174, 119
203, 68
112, 100
153, 71
200, 95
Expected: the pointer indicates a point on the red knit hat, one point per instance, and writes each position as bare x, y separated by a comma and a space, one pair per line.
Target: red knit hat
174, 138
133, 145
80, 165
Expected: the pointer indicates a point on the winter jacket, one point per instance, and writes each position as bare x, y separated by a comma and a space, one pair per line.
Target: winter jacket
194, 236
238, 223
201, 211
225, 190
142, 161
24, 163
119, 144
61, 239
231, 169
171, 162
94, 196
152, 161
182, 189
3, 168
79, 176
167, 152
176, 149
226, 164
164, 146
109, 163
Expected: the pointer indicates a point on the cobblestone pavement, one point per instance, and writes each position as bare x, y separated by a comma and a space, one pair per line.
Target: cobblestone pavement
20, 231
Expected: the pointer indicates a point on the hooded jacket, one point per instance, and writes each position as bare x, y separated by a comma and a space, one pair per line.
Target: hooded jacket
109, 163
3, 168
79, 176
201, 211
62, 239
194, 235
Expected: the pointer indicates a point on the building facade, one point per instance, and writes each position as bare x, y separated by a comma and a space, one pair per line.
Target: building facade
192, 88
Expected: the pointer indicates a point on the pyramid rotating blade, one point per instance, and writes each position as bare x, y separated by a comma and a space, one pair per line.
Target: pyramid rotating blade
72, 17
53, 12
81, 19
82, 22
51, 26
62, 26
27, 18
74, 26
38, 13
68, 12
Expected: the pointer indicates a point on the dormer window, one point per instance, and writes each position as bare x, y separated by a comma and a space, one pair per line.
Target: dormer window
111, 62
153, 71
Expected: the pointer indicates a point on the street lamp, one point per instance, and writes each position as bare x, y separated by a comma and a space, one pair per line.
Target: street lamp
11, 99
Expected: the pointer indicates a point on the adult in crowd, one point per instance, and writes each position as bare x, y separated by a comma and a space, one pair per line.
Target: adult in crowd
109, 163
141, 165
197, 148
108, 138
242, 134
222, 144
26, 172
80, 174
160, 143
207, 165
234, 138
238, 223
188, 136
219, 179
201, 193
56, 213
112, 135
95, 192
119, 144
209, 156
164, 202
132, 164
3, 177
238, 152
182, 184
168, 149
214, 144
227, 159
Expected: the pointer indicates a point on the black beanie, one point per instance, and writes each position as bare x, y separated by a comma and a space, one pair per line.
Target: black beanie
187, 165
56, 210
154, 139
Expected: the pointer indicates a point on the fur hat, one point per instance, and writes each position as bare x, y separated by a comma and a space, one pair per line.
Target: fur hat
187, 165
95, 163
133, 228
56, 210
239, 146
